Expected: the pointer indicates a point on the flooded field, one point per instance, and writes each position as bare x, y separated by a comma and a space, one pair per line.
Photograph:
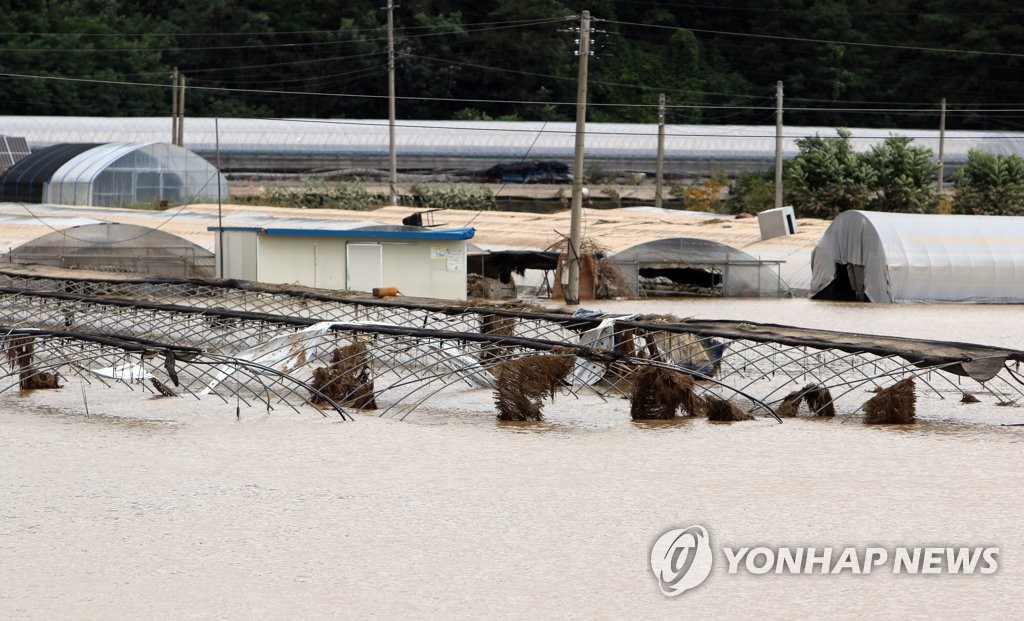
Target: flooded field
174, 508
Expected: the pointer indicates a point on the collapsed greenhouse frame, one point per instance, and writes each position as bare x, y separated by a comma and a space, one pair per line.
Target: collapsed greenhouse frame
419, 351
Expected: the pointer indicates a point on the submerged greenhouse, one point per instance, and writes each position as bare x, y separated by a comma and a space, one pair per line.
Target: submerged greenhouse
113, 175
690, 266
115, 247
903, 257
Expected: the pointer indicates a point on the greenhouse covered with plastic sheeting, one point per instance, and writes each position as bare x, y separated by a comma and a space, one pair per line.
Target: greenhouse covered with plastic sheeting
903, 257
317, 144
113, 175
691, 266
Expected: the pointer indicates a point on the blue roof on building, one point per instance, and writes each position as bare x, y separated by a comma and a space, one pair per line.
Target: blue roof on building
369, 232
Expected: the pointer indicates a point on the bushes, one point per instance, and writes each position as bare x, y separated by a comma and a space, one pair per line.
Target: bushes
355, 198
752, 192
453, 197
358, 198
828, 177
989, 184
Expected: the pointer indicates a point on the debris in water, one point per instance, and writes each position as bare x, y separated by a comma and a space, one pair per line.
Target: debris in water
346, 380
659, 393
895, 405
722, 410
522, 383
819, 400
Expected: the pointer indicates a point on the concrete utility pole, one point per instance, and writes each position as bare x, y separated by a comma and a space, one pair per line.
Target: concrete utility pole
660, 168
942, 143
392, 157
572, 291
778, 144
181, 110
174, 106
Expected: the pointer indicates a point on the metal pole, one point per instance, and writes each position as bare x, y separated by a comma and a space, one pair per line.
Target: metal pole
778, 144
942, 142
392, 157
659, 175
572, 293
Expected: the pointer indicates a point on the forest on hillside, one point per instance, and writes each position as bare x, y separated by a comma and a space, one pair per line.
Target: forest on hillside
856, 63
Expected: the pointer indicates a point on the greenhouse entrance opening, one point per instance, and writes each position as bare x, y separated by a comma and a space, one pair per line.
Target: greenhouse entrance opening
680, 280
846, 286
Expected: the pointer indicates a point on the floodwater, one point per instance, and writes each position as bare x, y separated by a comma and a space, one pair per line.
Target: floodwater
161, 508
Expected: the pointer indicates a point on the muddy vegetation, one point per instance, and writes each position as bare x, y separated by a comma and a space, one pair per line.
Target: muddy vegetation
522, 384
346, 380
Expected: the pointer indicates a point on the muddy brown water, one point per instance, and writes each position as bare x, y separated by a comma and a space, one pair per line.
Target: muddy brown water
162, 508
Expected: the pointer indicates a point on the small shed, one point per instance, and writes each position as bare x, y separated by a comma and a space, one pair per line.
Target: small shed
349, 256
898, 257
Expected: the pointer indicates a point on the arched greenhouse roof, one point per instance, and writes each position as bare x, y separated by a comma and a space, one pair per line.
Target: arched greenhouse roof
113, 175
112, 246
899, 257
493, 141
26, 180
743, 275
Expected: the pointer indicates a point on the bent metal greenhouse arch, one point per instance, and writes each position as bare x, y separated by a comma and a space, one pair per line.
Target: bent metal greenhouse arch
113, 175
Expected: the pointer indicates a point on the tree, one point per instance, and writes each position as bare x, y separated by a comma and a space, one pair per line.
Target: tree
989, 184
752, 192
828, 177
904, 177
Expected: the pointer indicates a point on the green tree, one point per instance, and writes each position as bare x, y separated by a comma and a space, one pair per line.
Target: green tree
904, 177
751, 192
828, 177
989, 184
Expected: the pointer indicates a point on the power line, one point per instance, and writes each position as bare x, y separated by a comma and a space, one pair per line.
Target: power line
824, 41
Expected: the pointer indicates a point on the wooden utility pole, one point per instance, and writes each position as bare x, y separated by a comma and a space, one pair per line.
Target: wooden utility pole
392, 156
572, 291
660, 167
174, 106
778, 144
942, 143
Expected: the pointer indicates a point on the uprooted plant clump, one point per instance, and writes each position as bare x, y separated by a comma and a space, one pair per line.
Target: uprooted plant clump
659, 393
724, 411
895, 405
523, 383
346, 380
20, 353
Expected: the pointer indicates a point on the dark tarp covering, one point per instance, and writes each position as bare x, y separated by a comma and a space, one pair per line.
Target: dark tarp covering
24, 182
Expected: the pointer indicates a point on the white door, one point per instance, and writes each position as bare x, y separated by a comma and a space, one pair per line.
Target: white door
364, 266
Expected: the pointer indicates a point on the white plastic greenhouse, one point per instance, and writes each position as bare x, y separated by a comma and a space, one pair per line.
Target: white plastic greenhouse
113, 175
896, 257
307, 143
